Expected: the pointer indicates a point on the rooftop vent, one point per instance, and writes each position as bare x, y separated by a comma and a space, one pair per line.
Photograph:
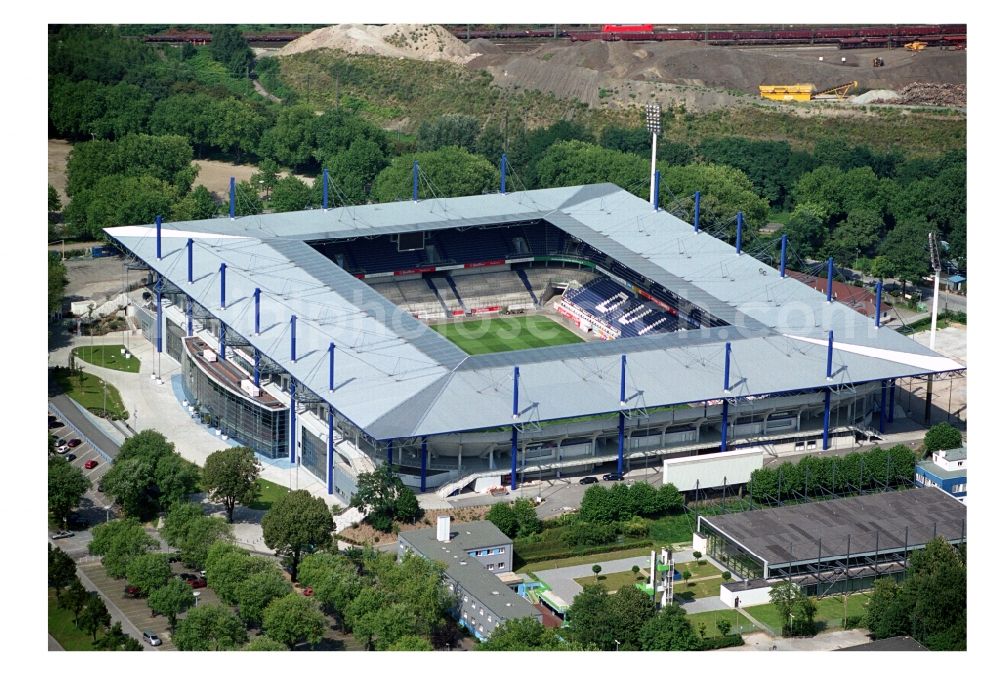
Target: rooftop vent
444, 529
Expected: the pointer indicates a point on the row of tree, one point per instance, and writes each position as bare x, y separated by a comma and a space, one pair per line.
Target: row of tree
623, 502
853, 472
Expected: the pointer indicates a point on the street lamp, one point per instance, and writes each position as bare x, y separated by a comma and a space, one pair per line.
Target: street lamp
617, 643
653, 127
107, 513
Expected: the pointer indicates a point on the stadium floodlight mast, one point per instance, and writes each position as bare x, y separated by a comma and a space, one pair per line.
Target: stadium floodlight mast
936, 265
653, 126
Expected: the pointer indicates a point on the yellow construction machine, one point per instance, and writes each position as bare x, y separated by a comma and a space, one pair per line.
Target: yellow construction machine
916, 46
805, 92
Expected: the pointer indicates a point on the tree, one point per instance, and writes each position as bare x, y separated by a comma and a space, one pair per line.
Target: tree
448, 172
724, 191
171, 599
334, 579
57, 282
248, 202
723, 625
167, 158
209, 627
697, 556
118, 200
941, 437
669, 629
187, 115
797, 610
62, 570
502, 516
149, 476
178, 520
292, 139
380, 494
353, 171
381, 625
806, 228
67, 484
630, 610
408, 510
859, 234
578, 163
264, 643
118, 542
148, 572
597, 506
74, 598
528, 522
524, 633
55, 204
635, 570
294, 619
230, 477
411, 644
449, 130
905, 249
197, 205
596, 568
290, 194
726, 576
297, 523
236, 126
686, 575
114, 639
671, 501
201, 535
94, 615
230, 48
227, 566
266, 177
588, 618
257, 591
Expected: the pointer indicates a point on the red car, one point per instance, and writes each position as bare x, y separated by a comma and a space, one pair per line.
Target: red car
132, 592
90, 464
197, 583
308, 591
73, 443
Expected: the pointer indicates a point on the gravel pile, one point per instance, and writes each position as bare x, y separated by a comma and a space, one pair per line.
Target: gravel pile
932, 94
425, 42
880, 95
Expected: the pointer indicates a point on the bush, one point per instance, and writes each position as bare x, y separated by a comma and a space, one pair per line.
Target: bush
853, 621
636, 527
380, 521
941, 437
717, 642
502, 516
583, 533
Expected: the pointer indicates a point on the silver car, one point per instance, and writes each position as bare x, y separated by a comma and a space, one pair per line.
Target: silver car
151, 638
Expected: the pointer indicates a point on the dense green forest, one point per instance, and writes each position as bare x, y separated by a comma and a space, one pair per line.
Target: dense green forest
138, 114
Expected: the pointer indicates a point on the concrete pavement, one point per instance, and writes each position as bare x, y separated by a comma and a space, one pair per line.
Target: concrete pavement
828, 640
54, 644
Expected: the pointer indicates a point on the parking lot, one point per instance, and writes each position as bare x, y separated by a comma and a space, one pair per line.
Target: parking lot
93, 506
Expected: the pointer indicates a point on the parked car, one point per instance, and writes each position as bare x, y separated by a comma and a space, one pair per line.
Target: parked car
70, 458
73, 443
54, 423
59, 535
90, 464
187, 576
133, 592
612, 476
151, 638
197, 583
588, 480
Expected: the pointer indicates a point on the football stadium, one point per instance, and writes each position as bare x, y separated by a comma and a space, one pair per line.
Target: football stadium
499, 338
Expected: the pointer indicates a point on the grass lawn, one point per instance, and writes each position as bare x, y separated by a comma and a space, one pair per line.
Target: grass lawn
64, 631
712, 616
269, 492
698, 589
500, 334
89, 391
579, 560
108, 356
829, 611
671, 529
614, 581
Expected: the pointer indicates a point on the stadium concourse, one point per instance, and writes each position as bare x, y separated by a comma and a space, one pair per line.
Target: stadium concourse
305, 335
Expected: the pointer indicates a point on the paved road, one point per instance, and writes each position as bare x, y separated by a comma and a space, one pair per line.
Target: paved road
54, 644
64, 407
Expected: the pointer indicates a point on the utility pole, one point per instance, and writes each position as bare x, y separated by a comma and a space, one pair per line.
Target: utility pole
653, 126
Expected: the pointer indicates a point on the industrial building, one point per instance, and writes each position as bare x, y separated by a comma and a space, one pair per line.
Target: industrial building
947, 470
304, 335
828, 546
479, 561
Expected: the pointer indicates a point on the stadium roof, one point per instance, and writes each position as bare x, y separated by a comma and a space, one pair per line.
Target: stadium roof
857, 525
397, 378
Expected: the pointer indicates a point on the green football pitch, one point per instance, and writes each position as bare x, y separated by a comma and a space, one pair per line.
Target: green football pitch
500, 334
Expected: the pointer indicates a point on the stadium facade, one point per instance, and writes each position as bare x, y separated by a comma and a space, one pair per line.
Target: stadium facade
306, 335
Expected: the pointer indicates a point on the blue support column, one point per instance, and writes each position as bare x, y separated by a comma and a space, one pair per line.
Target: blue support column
829, 355
503, 174
784, 253
329, 451
232, 197
513, 432
326, 188
423, 464
293, 338
222, 285
389, 450
190, 248
739, 232
656, 190
190, 316
332, 348
892, 400
829, 279
159, 228
826, 420
256, 312
881, 410
725, 402
697, 210
222, 342
878, 304
256, 367
159, 314
291, 424
621, 421
416, 172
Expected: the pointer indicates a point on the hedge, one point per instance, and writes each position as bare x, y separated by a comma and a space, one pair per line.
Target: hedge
717, 642
543, 553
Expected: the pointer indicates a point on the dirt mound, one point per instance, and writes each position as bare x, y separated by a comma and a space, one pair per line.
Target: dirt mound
880, 95
425, 42
931, 94
481, 46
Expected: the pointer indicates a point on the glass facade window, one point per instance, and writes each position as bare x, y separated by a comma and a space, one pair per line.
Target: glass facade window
733, 557
175, 337
262, 429
314, 454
